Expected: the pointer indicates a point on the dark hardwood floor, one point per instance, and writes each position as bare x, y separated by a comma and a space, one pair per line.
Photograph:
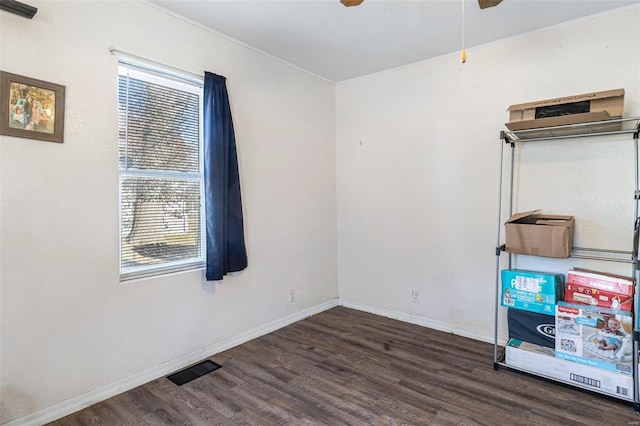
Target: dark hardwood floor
345, 367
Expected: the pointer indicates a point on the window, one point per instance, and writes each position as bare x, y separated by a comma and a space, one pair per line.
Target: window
161, 172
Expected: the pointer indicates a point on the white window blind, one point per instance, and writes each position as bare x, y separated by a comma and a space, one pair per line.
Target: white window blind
161, 179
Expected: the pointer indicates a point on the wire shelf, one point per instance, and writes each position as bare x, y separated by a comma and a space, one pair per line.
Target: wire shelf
596, 128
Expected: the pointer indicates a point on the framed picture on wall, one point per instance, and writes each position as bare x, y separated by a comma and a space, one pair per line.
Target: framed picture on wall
31, 108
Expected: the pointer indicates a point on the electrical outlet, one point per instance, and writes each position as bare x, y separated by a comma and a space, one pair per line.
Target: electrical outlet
292, 296
414, 297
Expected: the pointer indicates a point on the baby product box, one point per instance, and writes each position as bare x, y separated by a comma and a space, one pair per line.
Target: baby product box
532, 327
540, 360
599, 289
531, 290
594, 336
539, 234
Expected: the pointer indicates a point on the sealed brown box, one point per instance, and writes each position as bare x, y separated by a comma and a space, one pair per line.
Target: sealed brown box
539, 234
588, 107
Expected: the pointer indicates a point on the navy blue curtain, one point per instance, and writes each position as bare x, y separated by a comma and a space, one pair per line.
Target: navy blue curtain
226, 251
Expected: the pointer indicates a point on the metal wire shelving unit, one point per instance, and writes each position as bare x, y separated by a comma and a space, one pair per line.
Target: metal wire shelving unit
603, 130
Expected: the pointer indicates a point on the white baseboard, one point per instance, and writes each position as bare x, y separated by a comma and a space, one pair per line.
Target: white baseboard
414, 319
102, 393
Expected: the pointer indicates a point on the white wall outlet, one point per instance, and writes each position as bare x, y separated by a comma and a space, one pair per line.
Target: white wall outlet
292, 296
414, 297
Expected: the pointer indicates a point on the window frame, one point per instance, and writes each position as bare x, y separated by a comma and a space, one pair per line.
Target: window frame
168, 77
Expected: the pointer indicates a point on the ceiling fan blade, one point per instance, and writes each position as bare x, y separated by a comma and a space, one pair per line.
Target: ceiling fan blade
488, 3
349, 3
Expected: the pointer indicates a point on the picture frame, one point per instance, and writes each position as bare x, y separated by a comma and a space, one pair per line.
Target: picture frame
31, 108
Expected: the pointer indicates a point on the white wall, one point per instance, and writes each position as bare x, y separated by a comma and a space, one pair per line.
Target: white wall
417, 156
418, 166
69, 328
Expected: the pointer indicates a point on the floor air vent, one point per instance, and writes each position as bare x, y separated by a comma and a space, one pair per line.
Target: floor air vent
193, 372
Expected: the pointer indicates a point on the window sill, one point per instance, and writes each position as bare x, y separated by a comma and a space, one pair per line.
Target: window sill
130, 277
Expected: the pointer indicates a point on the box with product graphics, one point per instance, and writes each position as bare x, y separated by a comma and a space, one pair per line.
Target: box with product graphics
532, 327
583, 108
531, 290
599, 289
540, 360
595, 336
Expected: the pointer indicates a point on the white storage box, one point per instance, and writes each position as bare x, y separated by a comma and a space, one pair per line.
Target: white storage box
541, 361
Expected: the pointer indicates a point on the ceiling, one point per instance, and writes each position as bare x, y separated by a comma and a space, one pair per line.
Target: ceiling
338, 43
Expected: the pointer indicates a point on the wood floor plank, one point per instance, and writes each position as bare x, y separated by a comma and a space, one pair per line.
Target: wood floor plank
347, 367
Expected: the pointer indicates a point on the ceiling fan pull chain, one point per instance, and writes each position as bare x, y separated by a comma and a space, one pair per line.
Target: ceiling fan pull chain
463, 54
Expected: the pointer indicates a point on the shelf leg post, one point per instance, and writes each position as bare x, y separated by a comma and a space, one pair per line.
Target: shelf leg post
497, 283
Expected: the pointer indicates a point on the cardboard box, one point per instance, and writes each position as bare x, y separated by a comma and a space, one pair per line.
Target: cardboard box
584, 108
531, 291
540, 360
594, 336
539, 235
532, 327
599, 289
